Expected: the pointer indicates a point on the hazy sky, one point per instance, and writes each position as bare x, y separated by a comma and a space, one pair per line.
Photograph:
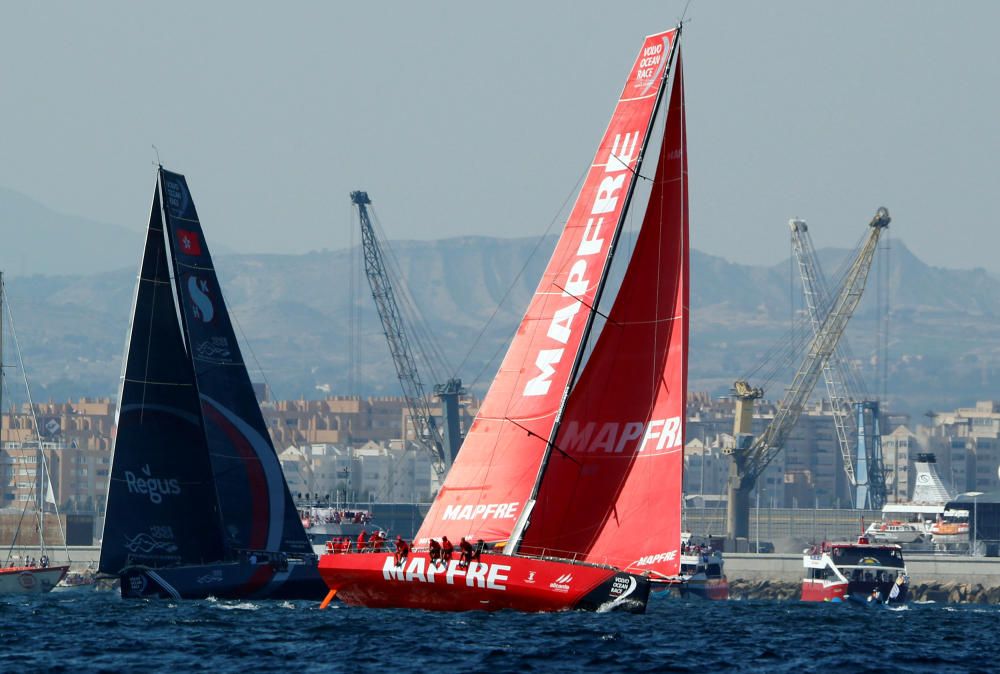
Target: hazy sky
475, 118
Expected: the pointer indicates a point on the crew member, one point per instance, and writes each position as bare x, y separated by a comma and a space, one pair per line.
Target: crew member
375, 542
446, 550
466, 552
362, 540
434, 552
480, 545
402, 550
329, 547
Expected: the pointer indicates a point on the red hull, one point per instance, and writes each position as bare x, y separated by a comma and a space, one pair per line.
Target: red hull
818, 590
495, 582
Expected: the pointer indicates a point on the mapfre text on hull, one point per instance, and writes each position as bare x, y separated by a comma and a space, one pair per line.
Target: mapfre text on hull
492, 583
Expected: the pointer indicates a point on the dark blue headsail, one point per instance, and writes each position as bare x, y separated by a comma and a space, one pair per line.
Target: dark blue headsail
257, 509
162, 508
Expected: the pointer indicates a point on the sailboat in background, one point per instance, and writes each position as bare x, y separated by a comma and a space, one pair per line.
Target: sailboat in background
197, 503
37, 575
569, 478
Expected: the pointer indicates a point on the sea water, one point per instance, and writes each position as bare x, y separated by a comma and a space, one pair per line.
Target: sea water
85, 630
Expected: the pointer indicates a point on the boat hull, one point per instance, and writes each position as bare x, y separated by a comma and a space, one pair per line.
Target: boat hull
492, 583
30, 580
860, 591
716, 589
224, 580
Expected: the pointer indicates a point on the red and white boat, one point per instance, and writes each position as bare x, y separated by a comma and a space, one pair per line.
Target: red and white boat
571, 472
862, 571
30, 579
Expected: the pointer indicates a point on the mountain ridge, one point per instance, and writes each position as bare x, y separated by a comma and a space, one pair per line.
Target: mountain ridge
296, 311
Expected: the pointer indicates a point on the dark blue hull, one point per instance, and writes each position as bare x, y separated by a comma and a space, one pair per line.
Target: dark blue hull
224, 580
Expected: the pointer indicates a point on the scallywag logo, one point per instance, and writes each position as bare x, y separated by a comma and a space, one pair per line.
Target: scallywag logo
418, 570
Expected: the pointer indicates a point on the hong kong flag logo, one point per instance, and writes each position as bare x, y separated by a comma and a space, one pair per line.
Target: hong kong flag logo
189, 242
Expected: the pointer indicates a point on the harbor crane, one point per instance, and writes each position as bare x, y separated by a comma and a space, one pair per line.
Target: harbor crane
442, 447
844, 387
750, 456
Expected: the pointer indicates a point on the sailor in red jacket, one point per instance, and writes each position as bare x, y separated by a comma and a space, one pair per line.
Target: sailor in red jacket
362, 540
402, 550
447, 548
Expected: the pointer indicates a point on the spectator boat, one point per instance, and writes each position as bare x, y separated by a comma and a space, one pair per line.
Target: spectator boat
863, 571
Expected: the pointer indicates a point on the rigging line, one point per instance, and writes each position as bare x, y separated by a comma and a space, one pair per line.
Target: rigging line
415, 324
34, 417
589, 306
487, 364
629, 168
536, 435
541, 239
684, 13
249, 346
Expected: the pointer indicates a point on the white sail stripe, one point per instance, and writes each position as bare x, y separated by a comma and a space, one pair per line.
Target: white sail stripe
517, 419
272, 472
195, 266
178, 217
186, 416
658, 320
154, 281
637, 98
150, 382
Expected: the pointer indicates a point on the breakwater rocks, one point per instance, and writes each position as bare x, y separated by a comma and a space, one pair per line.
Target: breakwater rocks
942, 593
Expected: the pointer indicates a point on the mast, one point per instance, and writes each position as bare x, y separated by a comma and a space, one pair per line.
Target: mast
518, 533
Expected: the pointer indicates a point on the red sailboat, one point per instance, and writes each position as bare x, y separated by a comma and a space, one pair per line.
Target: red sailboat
569, 480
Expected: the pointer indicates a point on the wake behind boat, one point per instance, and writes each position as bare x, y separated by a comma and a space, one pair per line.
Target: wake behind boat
197, 503
570, 475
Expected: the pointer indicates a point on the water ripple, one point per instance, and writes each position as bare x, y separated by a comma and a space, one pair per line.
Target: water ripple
98, 631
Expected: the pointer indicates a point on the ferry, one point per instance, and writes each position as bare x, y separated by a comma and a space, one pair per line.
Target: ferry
703, 570
951, 530
865, 572
897, 531
702, 573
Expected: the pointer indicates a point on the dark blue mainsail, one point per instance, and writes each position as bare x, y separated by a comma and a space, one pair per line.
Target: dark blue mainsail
162, 508
257, 509
195, 478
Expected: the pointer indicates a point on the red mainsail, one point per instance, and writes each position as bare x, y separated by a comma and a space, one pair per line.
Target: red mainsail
611, 490
490, 485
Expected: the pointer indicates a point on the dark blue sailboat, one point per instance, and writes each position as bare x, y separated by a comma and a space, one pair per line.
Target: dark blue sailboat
197, 503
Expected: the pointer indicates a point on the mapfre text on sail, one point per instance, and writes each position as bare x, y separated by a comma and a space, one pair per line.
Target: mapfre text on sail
577, 281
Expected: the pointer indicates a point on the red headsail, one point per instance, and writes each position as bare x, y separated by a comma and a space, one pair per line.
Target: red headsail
611, 491
491, 482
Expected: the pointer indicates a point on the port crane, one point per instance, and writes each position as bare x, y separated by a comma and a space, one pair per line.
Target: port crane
442, 446
844, 387
749, 455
